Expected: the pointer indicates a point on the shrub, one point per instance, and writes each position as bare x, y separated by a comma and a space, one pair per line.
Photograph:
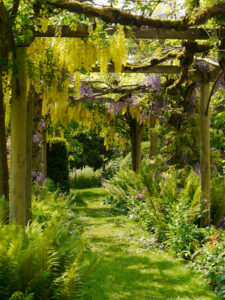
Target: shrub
57, 163
85, 178
183, 237
210, 260
121, 188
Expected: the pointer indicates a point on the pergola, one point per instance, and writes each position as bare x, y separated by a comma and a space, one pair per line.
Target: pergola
150, 30
204, 79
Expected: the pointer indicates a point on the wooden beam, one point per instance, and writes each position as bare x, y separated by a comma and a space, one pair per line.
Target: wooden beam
159, 69
139, 33
196, 75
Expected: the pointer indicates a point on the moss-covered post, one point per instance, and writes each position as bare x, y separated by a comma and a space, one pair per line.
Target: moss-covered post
29, 140
18, 178
5, 45
4, 189
136, 137
204, 155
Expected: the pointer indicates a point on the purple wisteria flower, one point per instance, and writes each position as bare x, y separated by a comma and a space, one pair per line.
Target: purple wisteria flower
140, 196
37, 138
116, 108
131, 100
166, 162
197, 168
38, 176
86, 90
154, 81
193, 97
220, 84
202, 66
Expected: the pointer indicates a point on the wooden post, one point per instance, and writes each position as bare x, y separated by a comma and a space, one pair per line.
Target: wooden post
18, 205
136, 138
204, 155
153, 137
29, 142
4, 188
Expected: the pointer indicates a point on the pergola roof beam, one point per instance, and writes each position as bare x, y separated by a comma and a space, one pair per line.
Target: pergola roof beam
159, 69
140, 33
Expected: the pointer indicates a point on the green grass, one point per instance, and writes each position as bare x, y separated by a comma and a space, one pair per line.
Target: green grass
130, 266
85, 178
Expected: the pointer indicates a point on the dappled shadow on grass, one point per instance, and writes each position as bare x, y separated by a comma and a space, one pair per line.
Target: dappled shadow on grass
124, 276
77, 201
95, 212
125, 270
89, 194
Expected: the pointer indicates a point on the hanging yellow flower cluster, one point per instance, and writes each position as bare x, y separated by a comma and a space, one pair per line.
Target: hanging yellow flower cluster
80, 53
71, 54
135, 113
91, 117
119, 51
104, 57
36, 53
55, 99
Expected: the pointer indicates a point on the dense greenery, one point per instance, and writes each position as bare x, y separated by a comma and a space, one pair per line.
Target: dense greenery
43, 261
130, 264
61, 65
57, 163
165, 201
85, 147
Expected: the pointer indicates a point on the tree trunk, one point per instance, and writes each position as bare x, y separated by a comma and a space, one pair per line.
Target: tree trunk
18, 178
136, 137
4, 177
29, 143
204, 156
153, 137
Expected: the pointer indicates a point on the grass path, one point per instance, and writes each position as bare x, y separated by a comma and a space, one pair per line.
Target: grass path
130, 267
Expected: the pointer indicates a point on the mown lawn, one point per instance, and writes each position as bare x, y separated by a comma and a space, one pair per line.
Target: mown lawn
129, 266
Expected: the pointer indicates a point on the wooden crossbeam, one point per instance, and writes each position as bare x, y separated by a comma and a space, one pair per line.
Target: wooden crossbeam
140, 33
166, 69
159, 69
